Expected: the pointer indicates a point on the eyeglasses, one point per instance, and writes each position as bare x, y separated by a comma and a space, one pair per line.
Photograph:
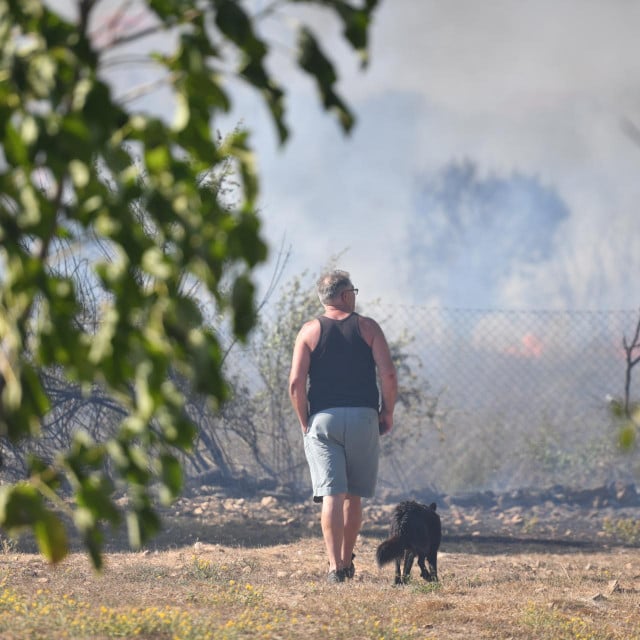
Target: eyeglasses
355, 291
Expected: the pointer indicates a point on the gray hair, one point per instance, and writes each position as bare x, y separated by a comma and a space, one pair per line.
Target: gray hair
331, 284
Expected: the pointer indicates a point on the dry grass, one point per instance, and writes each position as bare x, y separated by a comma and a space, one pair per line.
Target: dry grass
278, 591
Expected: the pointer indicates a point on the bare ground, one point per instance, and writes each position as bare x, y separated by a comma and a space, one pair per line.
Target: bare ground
230, 567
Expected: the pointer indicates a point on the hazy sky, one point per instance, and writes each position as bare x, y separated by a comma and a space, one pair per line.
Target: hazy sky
536, 89
489, 166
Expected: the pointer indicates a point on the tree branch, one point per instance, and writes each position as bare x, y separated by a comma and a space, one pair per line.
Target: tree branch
631, 362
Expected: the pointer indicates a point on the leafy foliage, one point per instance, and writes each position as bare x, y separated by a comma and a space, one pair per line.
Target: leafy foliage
79, 168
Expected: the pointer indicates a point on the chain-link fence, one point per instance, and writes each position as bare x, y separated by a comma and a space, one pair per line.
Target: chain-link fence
489, 400
508, 398
523, 397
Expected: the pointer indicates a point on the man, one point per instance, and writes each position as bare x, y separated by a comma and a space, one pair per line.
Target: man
341, 412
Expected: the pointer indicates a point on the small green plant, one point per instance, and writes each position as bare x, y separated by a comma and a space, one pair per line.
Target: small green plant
8, 544
380, 630
205, 570
556, 625
426, 587
625, 529
530, 524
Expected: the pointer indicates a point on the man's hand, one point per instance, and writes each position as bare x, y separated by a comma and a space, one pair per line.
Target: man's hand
385, 422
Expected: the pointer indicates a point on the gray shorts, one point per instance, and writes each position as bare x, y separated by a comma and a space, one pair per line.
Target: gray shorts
342, 447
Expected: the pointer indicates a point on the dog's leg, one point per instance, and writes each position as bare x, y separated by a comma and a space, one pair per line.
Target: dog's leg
398, 579
408, 563
424, 573
432, 559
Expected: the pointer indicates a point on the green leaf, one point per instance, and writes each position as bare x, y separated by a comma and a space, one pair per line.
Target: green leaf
93, 540
616, 406
234, 23
242, 299
142, 524
315, 63
356, 21
237, 145
44, 472
20, 506
356, 25
171, 475
208, 376
23, 405
255, 73
51, 536
133, 530
14, 147
95, 494
627, 436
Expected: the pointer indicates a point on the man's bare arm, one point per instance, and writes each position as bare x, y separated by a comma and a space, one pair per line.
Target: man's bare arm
298, 375
386, 372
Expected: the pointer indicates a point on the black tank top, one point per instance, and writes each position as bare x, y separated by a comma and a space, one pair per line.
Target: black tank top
342, 372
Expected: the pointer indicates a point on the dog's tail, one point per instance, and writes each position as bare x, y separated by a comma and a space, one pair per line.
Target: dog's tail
390, 549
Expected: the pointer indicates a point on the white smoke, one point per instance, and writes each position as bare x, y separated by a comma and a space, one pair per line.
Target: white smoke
537, 89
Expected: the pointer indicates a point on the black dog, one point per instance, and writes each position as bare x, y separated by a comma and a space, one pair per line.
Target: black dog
415, 531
